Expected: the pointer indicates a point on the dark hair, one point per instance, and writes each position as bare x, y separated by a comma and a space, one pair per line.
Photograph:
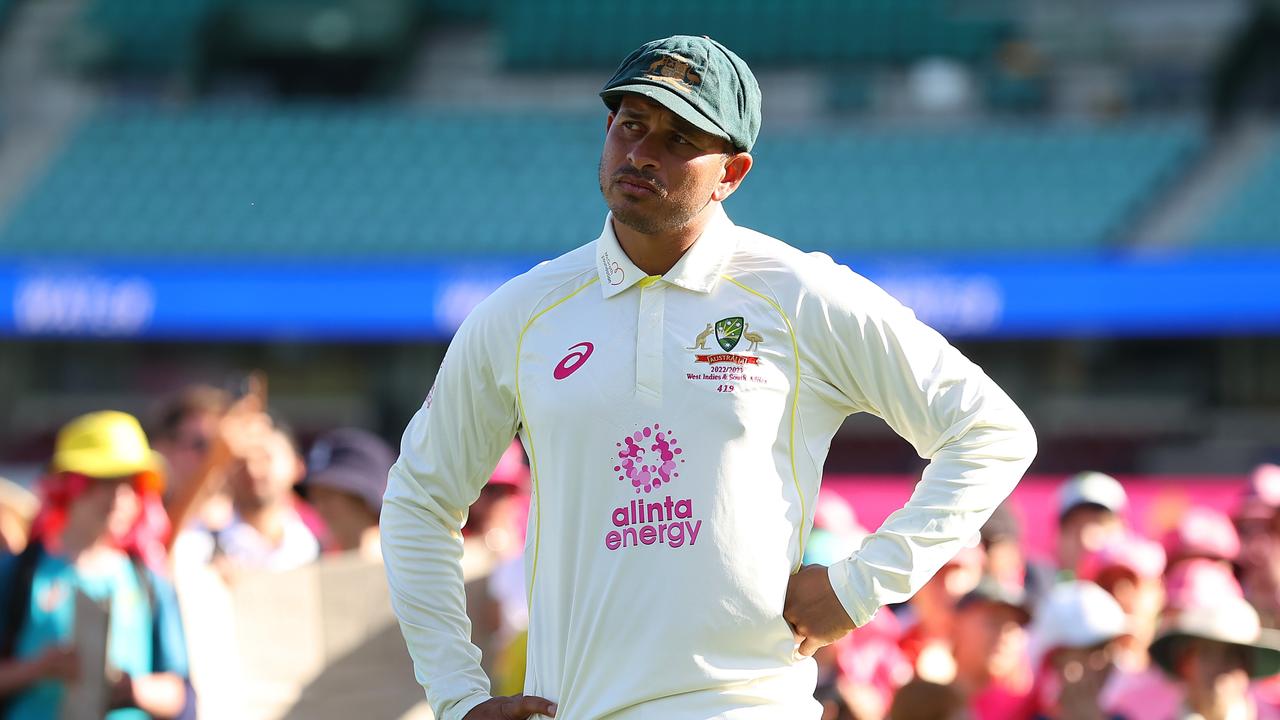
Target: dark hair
191, 400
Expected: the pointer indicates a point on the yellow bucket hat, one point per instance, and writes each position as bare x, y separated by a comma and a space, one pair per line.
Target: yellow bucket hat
106, 444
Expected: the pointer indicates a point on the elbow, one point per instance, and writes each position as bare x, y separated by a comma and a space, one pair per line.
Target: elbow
1027, 439
1027, 434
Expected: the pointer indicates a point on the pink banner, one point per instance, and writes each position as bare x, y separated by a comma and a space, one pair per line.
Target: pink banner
1155, 502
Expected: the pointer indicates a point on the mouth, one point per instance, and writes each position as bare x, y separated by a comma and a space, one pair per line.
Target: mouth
636, 186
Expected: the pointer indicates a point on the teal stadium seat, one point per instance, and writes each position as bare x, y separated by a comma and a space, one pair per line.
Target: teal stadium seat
140, 35
1250, 218
555, 34
391, 182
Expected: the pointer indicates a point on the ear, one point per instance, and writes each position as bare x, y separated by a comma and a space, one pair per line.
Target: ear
608, 121
735, 170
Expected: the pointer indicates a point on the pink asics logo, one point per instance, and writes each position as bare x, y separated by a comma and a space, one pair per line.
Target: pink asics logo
632, 453
574, 360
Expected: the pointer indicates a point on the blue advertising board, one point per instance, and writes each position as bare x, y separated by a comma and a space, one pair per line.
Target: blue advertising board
1114, 296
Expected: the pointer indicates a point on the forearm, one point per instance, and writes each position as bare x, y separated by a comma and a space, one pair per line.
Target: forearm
18, 675
423, 556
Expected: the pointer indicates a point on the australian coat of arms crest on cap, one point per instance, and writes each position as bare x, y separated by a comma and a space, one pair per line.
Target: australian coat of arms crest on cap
674, 70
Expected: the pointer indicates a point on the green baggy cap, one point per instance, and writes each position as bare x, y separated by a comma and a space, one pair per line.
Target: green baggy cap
696, 78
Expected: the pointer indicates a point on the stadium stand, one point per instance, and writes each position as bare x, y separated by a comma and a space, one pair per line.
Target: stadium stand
143, 36
389, 181
159, 36
1250, 217
988, 188
562, 33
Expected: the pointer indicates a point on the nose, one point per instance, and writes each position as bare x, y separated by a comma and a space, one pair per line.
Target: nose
642, 153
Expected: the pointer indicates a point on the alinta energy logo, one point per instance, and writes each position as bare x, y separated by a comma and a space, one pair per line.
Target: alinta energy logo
649, 459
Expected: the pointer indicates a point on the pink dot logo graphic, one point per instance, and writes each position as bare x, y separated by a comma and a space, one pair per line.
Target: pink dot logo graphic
649, 458
578, 355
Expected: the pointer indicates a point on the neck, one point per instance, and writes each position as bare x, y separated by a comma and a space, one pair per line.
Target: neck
1212, 706
656, 254
267, 519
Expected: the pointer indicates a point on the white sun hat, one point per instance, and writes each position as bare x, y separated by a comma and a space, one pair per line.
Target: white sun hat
1231, 620
1091, 488
1075, 614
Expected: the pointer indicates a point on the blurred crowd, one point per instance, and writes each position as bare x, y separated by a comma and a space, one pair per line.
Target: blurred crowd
216, 483
1119, 625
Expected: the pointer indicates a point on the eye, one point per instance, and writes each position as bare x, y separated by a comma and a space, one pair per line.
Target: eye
680, 140
631, 125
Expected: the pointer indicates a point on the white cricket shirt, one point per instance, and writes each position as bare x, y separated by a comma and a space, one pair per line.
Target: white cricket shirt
677, 427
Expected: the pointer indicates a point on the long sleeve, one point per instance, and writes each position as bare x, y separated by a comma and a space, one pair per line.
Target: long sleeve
882, 360
448, 452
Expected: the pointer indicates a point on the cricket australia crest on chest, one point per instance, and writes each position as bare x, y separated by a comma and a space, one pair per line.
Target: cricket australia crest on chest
737, 351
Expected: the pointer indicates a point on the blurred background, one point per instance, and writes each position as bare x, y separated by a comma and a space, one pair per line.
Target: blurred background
1084, 197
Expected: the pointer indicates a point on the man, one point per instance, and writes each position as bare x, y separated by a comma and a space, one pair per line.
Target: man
989, 642
347, 475
1089, 507
1213, 650
1073, 646
674, 480
267, 531
926, 641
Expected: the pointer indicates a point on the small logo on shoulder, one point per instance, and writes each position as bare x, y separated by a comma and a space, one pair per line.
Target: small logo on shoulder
570, 363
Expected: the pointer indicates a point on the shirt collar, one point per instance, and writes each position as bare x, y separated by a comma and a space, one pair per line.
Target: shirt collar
698, 269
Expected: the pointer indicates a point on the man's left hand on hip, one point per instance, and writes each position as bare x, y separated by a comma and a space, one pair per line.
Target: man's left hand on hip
813, 610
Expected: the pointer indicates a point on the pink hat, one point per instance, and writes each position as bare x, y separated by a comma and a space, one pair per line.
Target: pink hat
1203, 532
1200, 582
1144, 558
511, 469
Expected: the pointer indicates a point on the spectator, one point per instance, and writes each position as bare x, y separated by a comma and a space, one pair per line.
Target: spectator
1213, 650
1259, 559
1202, 533
493, 545
1002, 542
184, 430
989, 643
1089, 507
924, 700
1074, 641
266, 531
18, 507
870, 668
858, 674
927, 640
347, 476
1131, 568
492, 532
100, 532
1152, 693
